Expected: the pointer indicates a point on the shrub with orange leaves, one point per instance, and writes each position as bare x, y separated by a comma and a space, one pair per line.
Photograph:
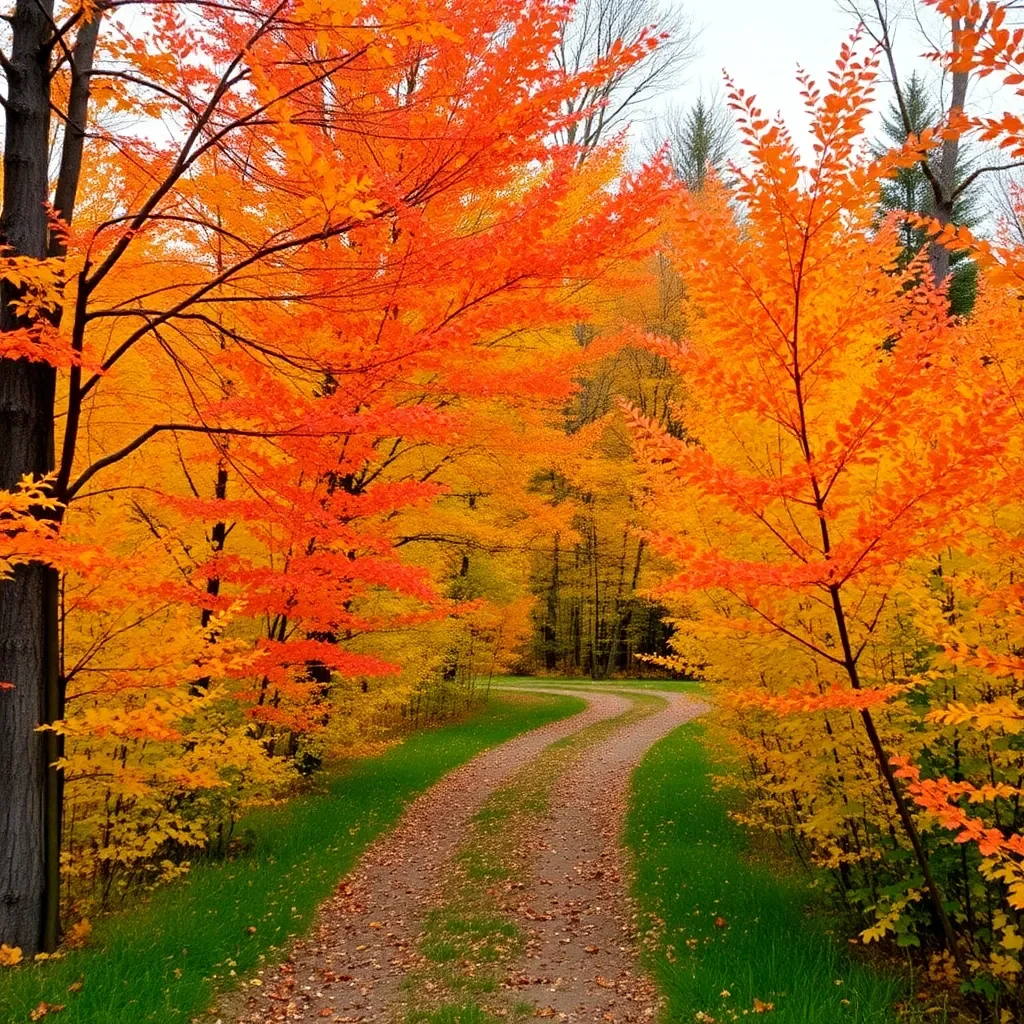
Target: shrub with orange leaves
843, 515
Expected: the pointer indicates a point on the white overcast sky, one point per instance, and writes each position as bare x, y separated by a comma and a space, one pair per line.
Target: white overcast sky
760, 43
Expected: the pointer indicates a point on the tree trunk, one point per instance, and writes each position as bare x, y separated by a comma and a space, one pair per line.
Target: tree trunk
218, 535
902, 807
944, 175
550, 634
29, 789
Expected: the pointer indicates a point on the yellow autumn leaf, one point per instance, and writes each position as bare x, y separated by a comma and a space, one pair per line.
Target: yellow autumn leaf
78, 933
9, 955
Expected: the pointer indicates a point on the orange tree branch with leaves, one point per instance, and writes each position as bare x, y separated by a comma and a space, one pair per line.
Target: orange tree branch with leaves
841, 429
285, 243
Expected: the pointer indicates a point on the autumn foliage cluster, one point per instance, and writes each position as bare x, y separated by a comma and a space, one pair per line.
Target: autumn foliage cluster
306, 325
844, 512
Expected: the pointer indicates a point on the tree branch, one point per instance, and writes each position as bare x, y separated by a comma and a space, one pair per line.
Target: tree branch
159, 428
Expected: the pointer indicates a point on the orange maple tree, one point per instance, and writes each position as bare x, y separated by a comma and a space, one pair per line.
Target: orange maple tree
295, 257
841, 430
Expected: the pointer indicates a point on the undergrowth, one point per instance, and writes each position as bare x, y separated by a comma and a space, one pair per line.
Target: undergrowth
728, 934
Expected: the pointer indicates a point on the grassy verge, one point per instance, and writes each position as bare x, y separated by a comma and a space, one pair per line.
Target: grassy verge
165, 961
472, 937
665, 685
726, 934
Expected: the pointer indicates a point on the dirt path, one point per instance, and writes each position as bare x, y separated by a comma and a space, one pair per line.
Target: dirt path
579, 961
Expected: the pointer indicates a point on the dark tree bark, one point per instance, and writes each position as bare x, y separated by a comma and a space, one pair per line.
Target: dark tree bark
76, 120
31, 787
28, 601
218, 536
551, 639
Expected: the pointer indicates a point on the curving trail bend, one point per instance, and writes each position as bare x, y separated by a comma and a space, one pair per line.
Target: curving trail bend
579, 963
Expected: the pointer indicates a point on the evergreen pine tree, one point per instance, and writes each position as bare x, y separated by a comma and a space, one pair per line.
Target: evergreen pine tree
699, 141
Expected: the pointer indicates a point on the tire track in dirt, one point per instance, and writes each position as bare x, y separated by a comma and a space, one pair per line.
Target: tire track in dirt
351, 968
581, 961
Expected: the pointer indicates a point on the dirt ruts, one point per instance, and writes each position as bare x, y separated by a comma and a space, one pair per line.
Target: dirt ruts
579, 963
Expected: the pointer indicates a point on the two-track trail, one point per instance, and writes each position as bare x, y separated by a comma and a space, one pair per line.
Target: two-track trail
555, 937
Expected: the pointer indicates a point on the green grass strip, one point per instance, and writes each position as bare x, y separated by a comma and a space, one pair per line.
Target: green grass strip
692, 867
166, 960
611, 685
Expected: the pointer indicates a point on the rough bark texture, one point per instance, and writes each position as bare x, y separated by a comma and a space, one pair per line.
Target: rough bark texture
945, 173
22, 763
76, 121
28, 619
